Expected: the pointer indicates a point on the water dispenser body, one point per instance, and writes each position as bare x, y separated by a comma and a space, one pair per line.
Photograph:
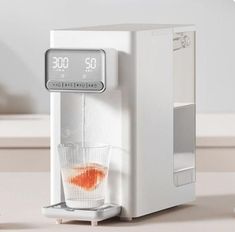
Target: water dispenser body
129, 104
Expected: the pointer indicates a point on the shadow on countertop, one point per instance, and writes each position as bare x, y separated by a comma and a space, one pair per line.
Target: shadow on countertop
16, 226
217, 207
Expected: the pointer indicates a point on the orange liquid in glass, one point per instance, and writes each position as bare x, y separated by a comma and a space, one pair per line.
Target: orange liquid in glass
88, 177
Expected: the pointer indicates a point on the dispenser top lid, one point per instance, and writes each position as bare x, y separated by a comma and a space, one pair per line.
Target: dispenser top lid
134, 27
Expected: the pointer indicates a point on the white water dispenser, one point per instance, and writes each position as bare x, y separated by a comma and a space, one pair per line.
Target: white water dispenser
132, 88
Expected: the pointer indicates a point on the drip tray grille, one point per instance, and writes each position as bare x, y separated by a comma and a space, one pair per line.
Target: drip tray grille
61, 211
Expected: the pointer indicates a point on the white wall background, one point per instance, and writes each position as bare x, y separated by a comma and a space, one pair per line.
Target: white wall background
24, 37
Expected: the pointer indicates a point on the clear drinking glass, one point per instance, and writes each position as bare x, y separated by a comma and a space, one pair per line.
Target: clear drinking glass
84, 169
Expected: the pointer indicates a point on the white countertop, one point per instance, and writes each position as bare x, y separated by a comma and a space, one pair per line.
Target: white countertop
215, 130
24, 130
22, 195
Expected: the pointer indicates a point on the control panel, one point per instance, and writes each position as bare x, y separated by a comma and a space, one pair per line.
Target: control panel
75, 70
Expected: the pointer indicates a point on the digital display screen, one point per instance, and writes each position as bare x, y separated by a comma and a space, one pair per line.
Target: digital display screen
77, 66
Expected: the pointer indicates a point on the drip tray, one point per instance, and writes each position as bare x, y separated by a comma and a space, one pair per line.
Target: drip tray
61, 211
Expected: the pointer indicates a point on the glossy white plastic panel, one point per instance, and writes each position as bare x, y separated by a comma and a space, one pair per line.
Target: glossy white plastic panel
109, 116
184, 109
155, 188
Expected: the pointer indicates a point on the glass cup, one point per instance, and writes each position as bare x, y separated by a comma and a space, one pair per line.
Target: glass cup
84, 169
